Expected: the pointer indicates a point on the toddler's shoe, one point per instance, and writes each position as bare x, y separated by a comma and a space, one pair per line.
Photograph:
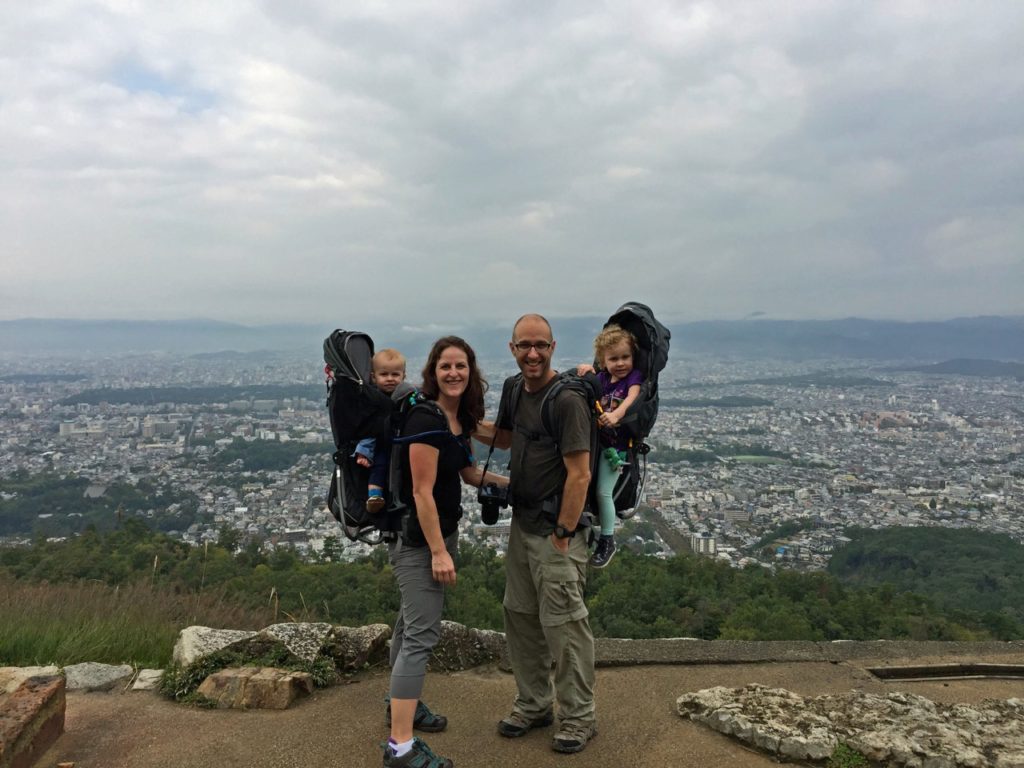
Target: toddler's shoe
603, 552
375, 503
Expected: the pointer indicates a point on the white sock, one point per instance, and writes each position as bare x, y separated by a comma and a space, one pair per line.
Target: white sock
400, 749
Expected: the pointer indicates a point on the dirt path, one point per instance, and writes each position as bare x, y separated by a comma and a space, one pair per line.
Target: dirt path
343, 725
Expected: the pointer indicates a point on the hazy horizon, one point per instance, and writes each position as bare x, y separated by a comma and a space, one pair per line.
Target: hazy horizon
990, 337
500, 322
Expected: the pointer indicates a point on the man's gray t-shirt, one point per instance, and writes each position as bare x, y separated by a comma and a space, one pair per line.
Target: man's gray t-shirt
536, 469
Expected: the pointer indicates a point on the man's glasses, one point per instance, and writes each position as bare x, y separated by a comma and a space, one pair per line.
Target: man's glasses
524, 346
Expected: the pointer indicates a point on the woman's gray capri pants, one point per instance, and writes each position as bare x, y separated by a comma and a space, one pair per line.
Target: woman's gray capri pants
418, 626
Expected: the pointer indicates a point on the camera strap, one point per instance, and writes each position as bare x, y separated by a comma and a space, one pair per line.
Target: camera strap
490, 452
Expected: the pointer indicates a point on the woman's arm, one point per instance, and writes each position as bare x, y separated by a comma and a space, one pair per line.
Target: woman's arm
423, 467
475, 476
487, 431
614, 416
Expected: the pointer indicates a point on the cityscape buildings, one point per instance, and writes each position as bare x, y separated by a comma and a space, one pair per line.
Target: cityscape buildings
754, 462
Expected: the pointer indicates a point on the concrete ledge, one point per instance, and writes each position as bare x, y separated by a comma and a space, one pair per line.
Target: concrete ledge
31, 719
626, 653
850, 650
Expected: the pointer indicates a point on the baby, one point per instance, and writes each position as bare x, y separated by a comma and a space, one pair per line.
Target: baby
388, 367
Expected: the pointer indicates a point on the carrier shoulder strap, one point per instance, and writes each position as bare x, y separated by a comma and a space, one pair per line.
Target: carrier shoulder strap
588, 386
510, 392
417, 402
408, 405
508, 409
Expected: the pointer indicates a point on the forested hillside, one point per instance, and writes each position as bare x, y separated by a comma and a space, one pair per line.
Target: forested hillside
638, 596
963, 571
52, 505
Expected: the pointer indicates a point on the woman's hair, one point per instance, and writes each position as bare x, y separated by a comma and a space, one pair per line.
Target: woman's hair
611, 336
471, 404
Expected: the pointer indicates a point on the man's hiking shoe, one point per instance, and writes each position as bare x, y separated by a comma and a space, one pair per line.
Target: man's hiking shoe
375, 504
516, 724
604, 552
573, 737
420, 756
424, 720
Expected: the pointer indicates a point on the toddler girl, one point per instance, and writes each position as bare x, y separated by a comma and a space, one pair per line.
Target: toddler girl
613, 350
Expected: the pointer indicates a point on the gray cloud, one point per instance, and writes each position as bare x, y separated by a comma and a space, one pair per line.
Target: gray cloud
438, 163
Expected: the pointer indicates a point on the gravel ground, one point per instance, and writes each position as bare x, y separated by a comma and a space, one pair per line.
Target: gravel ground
344, 725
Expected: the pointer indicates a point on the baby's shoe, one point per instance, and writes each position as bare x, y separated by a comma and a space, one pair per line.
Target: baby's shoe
375, 502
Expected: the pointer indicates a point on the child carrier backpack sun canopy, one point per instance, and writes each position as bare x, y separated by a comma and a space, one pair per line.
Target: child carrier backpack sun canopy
357, 410
652, 341
650, 358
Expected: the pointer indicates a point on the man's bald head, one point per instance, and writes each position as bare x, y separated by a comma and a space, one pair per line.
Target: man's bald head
532, 346
533, 317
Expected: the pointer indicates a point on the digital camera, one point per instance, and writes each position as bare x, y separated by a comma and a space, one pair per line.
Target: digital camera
493, 498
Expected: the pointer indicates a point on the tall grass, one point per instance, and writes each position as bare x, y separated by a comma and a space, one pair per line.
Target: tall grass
89, 621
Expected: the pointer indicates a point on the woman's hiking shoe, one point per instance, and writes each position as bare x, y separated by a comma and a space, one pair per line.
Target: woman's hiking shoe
420, 756
424, 720
517, 724
603, 552
573, 737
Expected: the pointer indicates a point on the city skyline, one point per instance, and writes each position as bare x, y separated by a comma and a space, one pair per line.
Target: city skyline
453, 164
740, 449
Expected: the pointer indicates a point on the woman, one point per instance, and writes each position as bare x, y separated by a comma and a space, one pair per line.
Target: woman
437, 444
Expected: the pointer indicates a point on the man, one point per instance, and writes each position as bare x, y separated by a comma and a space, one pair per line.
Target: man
546, 619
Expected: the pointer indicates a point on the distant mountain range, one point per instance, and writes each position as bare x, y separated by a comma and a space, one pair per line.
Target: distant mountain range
995, 338
998, 338
970, 367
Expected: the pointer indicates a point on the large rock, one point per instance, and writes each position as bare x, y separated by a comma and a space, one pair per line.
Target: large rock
31, 719
351, 648
462, 647
303, 639
90, 676
897, 729
255, 687
196, 642
771, 719
354, 648
11, 678
148, 680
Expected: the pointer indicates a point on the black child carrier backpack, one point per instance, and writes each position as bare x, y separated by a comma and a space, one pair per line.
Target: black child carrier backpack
358, 410
652, 343
652, 340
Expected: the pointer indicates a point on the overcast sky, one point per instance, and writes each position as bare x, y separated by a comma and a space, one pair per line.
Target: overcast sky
445, 162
